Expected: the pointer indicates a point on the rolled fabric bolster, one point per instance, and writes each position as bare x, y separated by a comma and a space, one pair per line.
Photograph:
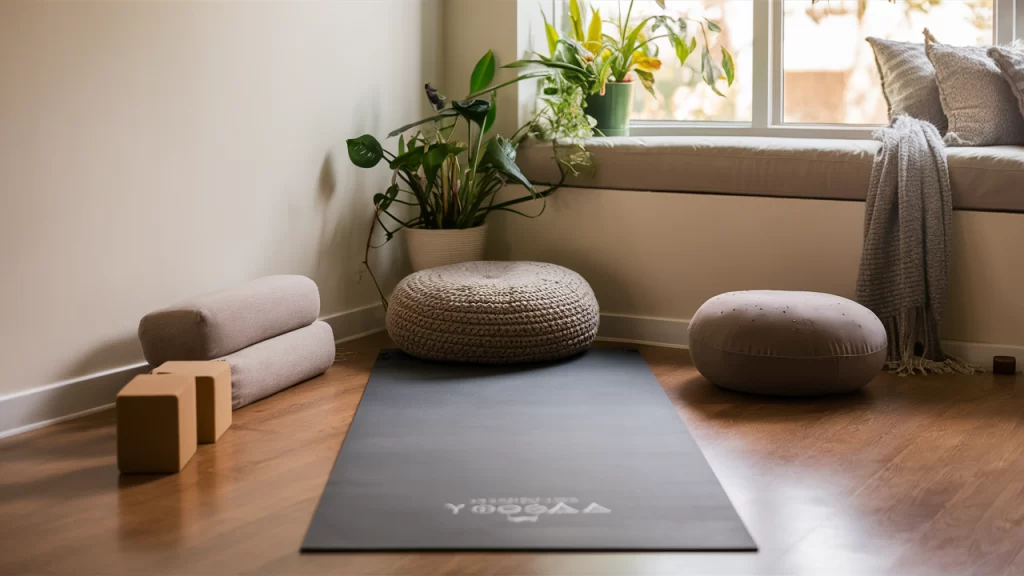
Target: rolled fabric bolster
220, 323
281, 362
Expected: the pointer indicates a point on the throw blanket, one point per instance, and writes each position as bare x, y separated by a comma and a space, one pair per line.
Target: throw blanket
907, 246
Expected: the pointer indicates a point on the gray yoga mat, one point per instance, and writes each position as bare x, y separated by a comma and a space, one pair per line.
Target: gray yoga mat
584, 454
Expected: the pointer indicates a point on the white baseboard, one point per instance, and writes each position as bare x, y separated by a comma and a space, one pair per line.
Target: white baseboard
32, 409
60, 401
649, 330
981, 354
356, 323
672, 333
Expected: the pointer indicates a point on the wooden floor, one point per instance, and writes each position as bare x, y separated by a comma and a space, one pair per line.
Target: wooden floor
912, 476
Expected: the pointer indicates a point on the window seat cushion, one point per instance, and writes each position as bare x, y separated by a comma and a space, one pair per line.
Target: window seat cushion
986, 179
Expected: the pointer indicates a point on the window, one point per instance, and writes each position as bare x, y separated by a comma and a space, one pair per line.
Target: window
803, 69
829, 72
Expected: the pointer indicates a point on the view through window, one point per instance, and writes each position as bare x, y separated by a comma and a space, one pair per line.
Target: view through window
828, 72
830, 76
680, 95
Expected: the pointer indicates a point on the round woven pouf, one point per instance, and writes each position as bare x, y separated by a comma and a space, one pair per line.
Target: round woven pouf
493, 313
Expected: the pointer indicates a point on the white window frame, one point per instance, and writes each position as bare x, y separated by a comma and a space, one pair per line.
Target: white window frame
767, 118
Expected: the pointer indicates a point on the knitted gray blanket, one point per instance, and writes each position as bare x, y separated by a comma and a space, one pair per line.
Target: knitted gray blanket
907, 246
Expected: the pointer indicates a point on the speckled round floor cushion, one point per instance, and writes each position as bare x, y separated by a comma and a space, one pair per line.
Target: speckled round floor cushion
493, 312
786, 343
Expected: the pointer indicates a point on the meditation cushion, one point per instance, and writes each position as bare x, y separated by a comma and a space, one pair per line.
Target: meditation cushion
786, 343
493, 312
281, 362
214, 325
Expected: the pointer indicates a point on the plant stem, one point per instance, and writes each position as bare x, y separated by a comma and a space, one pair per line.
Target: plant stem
366, 259
521, 199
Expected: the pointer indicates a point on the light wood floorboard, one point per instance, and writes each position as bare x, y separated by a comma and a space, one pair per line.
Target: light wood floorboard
911, 476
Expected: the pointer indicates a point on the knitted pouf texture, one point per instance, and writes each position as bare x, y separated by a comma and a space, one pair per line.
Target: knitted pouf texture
493, 313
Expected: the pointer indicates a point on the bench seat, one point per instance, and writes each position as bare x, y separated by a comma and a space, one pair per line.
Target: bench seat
983, 179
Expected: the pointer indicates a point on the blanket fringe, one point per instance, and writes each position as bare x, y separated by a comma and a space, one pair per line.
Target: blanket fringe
918, 365
913, 326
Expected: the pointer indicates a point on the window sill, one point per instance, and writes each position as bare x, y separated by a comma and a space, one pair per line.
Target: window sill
649, 128
983, 179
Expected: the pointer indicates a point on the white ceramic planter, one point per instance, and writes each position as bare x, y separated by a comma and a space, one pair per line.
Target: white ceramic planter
432, 248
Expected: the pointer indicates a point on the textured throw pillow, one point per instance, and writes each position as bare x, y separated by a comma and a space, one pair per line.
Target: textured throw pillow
1011, 64
978, 102
908, 81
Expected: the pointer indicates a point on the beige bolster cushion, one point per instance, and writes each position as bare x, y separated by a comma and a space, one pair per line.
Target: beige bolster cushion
787, 343
217, 324
281, 362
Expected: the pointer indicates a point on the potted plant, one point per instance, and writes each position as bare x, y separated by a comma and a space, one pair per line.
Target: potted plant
444, 187
604, 65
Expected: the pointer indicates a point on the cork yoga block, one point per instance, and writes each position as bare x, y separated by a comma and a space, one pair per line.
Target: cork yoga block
156, 424
213, 395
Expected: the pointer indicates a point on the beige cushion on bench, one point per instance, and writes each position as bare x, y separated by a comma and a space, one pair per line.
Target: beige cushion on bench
990, 178
786, 343
213, 325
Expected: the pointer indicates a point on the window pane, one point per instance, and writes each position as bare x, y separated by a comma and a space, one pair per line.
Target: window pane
830, 76
680, 93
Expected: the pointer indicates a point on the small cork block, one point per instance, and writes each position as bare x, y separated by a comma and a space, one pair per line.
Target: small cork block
156, 424
213, 395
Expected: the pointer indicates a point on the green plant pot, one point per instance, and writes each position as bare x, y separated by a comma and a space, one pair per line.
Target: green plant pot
612, 110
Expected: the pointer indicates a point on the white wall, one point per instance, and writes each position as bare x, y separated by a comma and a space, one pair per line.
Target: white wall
662, 255
472, 27
150, 151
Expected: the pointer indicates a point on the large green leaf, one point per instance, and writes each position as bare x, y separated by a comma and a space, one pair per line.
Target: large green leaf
501, 155
683, 50
576, 17
707, 70
435, 157
560, 65
594, 32
432, 161
383, 201
712, 26
727, 66
552, 35
473, 110
630, 41
446, 113
492, 114
647, 79
483, 73
408, 161
527, 76
602, 76
573, 53
365, 151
